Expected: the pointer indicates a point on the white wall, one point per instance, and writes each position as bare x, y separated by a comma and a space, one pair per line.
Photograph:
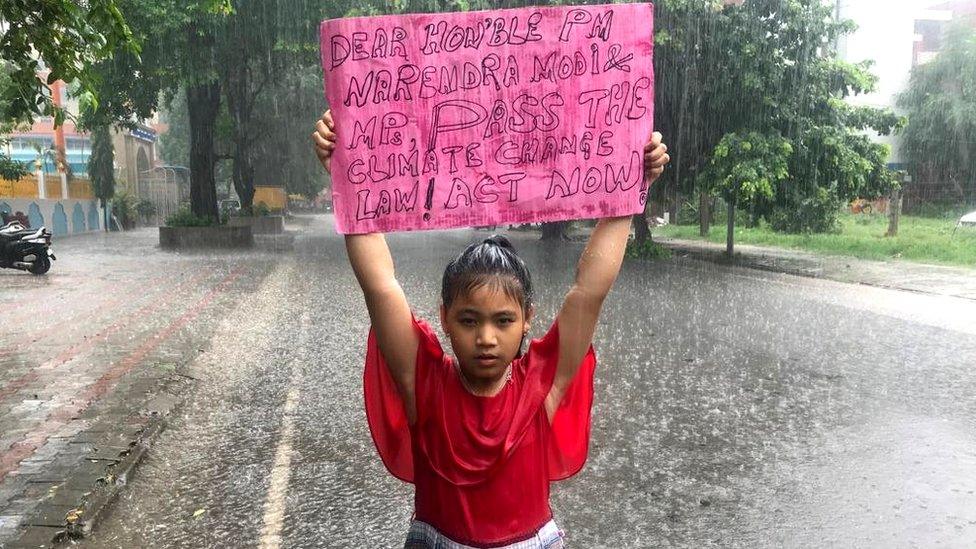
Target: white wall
61, 217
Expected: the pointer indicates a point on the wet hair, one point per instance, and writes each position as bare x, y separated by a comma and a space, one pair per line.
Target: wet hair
492, 262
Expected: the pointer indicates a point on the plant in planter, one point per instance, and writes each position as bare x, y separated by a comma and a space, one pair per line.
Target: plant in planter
186, 218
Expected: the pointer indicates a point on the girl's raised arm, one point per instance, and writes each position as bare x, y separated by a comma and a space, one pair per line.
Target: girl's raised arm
595, 275
388, 309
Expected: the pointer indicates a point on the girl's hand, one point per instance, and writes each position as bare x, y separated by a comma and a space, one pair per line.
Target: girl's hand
324, 139
655, 157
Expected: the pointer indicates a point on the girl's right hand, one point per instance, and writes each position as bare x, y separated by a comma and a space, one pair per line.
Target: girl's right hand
324, 139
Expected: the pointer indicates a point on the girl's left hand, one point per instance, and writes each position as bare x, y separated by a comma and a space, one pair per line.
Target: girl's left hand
655, 157
324, 139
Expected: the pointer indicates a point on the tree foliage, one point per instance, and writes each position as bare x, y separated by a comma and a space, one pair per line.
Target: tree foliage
762, 72
940, 102
749, 166
63, 36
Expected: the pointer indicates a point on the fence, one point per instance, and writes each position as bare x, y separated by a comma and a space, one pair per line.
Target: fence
54, 188
161, 187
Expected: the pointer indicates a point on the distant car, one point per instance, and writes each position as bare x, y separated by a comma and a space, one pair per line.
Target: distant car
968, 219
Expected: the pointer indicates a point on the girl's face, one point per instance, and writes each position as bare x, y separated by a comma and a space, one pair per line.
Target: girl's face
486, 327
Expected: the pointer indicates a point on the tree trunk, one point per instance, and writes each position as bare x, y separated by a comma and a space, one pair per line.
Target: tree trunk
554, 231
704, 213
642, 231
203, 104
236, 85
894, 211
243, 176
730, 237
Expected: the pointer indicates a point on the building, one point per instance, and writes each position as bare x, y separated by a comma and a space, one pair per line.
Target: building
897, 36
887, 35
58, 159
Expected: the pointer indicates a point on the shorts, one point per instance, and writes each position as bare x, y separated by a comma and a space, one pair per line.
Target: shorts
424, 536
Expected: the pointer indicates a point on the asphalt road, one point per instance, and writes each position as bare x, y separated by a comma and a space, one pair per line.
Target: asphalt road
734, 408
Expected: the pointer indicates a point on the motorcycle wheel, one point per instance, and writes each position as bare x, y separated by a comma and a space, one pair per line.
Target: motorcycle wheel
41, 265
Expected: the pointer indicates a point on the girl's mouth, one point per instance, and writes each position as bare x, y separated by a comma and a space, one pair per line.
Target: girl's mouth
486, 360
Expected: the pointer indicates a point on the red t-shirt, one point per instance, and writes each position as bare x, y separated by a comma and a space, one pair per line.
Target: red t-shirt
481, 465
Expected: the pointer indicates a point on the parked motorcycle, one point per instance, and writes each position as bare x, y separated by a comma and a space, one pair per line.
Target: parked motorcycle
25, 249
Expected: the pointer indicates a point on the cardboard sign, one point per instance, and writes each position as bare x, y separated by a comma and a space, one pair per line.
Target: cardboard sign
489, 117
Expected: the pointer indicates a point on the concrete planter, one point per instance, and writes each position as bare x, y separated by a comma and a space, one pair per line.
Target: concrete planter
176, 238
260, 224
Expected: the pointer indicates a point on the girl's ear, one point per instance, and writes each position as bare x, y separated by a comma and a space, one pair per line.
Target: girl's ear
443, 315
529, 315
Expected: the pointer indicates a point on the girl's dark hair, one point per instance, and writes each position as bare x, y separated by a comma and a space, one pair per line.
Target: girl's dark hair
494, 262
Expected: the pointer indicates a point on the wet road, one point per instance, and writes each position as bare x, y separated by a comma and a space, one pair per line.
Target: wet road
733, 408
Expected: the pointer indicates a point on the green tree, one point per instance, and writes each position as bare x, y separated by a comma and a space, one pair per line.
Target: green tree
270, 92
266, 50
685, 40
767, 68
180, 37
101, 169
940, 102
9, 168
65, 37
285, 114
744, 168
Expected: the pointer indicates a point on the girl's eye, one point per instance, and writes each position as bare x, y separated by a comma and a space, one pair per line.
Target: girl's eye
468, 322
505, 321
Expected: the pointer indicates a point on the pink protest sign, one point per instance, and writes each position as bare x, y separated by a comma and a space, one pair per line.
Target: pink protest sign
489, 117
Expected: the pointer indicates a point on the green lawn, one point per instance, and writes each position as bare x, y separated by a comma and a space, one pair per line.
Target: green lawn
922, 239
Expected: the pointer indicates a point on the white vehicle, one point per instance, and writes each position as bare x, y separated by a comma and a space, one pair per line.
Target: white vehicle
968, 219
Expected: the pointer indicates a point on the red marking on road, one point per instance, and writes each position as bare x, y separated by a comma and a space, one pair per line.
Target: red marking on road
21, 449
15, 385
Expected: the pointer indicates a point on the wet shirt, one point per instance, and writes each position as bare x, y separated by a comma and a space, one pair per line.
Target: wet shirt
481, 465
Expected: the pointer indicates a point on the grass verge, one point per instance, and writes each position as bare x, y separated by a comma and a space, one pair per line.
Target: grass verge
920, 239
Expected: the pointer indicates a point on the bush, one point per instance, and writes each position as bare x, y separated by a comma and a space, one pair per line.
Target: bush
146, 208
185, 218
687, 214
124, 209
261, 209
646, 250
807, 214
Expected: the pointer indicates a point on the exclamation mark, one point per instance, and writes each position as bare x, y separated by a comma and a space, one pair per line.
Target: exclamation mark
430, 198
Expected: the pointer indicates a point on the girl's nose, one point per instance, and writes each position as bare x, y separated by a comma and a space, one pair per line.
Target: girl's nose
485, 338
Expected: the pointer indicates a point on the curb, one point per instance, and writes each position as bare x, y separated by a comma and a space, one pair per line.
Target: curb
740, 260
775, 264
94, 508
95, 492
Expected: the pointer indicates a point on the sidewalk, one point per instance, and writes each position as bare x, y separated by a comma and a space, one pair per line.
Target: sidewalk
900, 275
92, 361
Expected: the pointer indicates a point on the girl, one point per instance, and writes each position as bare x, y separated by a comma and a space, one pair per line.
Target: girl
482, 435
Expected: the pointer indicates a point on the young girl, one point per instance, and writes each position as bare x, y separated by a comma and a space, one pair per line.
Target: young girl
482, 435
